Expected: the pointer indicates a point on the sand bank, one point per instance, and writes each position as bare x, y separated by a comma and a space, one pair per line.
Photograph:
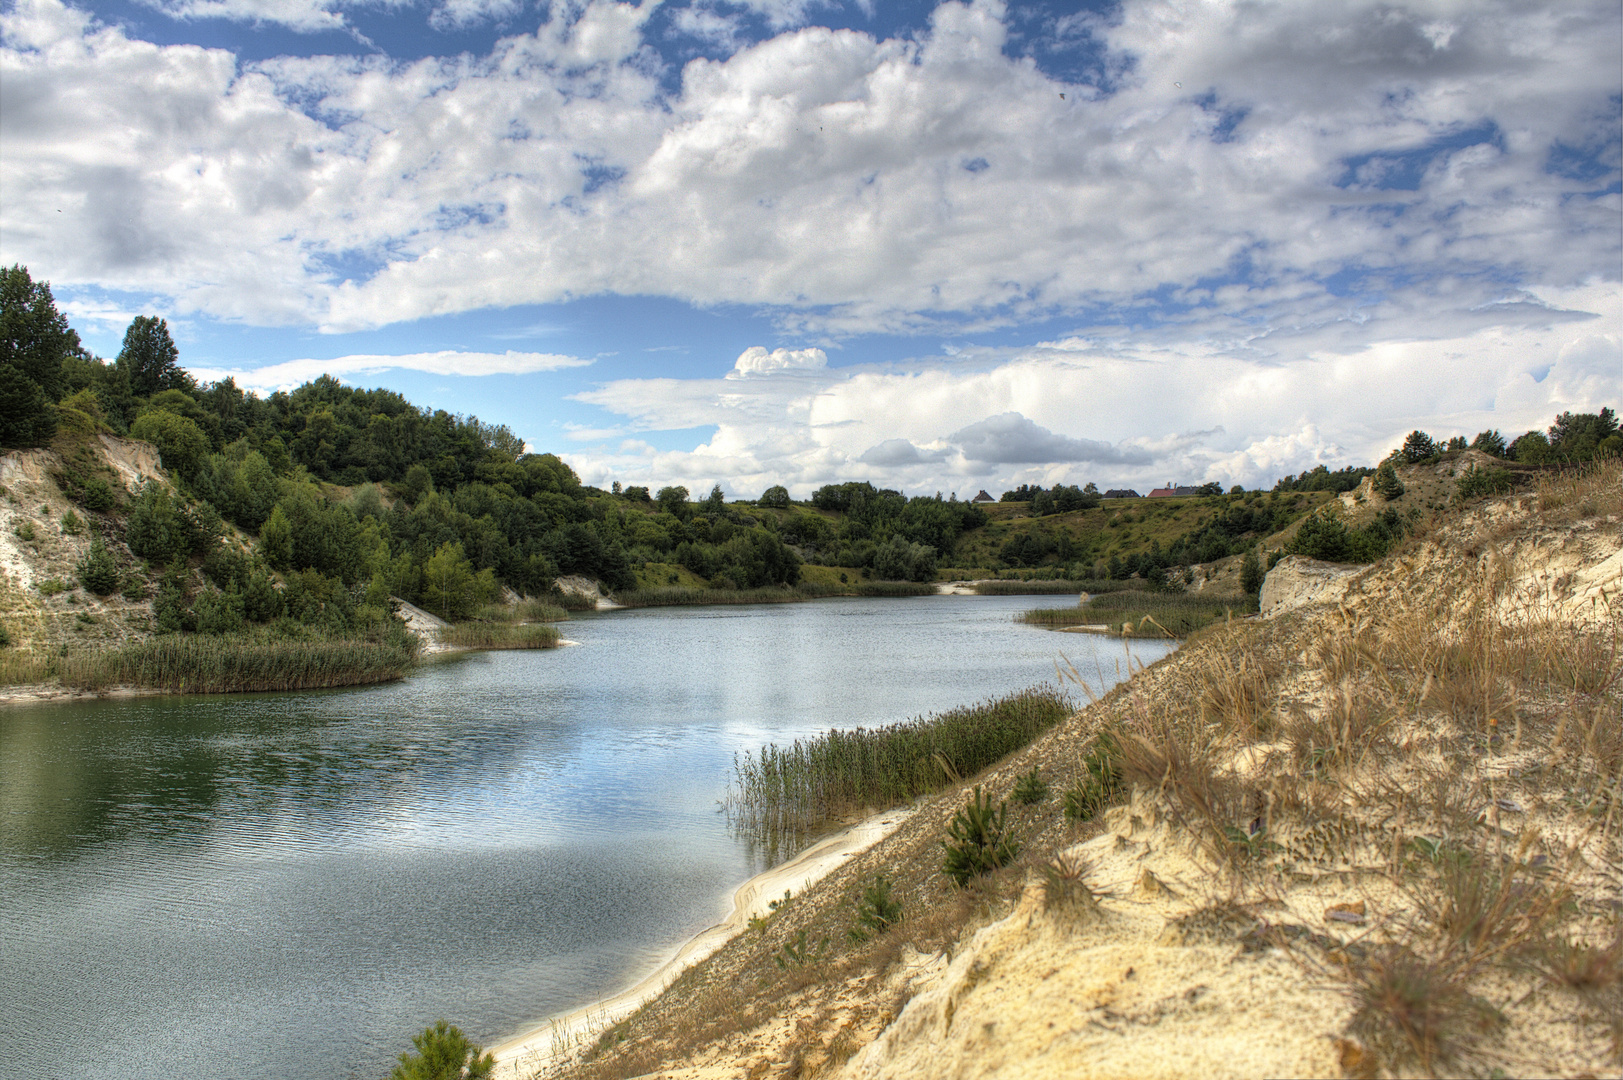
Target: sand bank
528, 1053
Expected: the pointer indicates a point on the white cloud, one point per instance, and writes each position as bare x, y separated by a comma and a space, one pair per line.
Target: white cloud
755, 360
830, 176
291, 373
1128, 413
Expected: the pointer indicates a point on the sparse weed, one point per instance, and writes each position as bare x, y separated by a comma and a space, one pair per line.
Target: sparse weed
800, 951
1418, 1011
1066, 888
1099, 782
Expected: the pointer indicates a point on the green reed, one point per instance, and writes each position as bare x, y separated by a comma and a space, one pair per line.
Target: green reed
785, 792
1161, 614
200, 664
488, 635
1056, 586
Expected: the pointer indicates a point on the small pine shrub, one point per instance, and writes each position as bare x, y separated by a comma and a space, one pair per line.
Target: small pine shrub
1031, 789
52, 586
1476, 482
877, 911
444, 1053
72, 524
97, 571
800, 951
1386, 482
25, 531
979, 840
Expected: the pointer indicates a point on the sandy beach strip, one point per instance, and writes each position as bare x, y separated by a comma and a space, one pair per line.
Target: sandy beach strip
532, 1051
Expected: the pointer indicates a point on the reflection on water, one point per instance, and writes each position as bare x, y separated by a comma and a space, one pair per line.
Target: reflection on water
293, 884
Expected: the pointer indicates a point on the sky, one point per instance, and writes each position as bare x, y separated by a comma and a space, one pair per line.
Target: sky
938, 246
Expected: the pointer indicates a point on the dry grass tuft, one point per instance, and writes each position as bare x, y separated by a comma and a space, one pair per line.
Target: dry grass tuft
1417, 1011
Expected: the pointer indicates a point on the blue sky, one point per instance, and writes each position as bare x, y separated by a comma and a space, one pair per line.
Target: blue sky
937, 246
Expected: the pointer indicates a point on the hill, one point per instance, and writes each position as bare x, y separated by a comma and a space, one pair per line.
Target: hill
1373, 836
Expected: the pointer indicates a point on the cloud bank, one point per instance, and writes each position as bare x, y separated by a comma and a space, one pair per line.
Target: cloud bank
291, 373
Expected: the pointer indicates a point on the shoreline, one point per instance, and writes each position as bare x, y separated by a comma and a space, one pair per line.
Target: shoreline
533, 1050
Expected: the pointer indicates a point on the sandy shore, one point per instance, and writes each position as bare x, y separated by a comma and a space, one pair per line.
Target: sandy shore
535, 1049
40, 693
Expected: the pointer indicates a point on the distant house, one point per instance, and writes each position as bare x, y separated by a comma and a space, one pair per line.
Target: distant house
982, 497
1121, 493
1174, 491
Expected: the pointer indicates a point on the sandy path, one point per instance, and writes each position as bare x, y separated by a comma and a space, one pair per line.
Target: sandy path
531, 1051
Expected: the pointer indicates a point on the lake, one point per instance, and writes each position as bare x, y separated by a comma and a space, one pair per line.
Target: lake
278, 885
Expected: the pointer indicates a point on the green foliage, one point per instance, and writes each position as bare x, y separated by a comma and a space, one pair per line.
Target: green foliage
1030, 789
34, 340
1320, 478
97, 571
24, 530
775, 497
674, 501
877, 911
151, 359
72, 524
1489, 442
1578, 437
276, 539
1099, 783
159, 529
901, 561
1531, 449
1251, 572
978, 840
1476, 481
1326, 536
444, 1053
1386, 483
181, 443
450, 587
52, 586
1418, 447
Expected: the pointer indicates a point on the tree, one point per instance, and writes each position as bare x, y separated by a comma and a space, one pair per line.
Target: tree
448, 581
1489, 442
775, 497
151, 359
180, 442
674, 501
1386, 482
1418, 447
444, 1053
34, 340
1531, 449
276, 539
715, 503
97, 571
1250, 572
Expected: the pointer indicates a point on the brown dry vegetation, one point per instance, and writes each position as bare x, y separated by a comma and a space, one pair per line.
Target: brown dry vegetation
1376, 839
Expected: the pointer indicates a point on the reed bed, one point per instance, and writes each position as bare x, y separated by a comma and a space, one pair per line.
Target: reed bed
679, 596
496, 636
783, 794
192, 664
1052, 587
1066, 616
525, 611
893, 588
1160, 615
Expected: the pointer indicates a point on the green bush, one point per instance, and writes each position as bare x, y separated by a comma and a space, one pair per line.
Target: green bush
1386, 482
1476, 481
72, 524
97, 571
877, 911
978, 840
444, 1053
1250, 572
1030, 789
1419, 447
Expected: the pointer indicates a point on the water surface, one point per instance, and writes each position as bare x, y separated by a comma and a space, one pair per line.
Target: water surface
281, 885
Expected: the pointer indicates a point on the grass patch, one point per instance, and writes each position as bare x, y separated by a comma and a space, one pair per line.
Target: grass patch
485, 635
679, 596
892, 588
1054, 586
522, 612
788, 791
1071, 616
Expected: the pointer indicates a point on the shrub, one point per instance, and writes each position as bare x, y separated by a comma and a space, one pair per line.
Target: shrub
1251, 572
97, 571
25, 531
979, 840
72, 524
877, 911
1477, 481
1030, 789
1386, 482
444, 1053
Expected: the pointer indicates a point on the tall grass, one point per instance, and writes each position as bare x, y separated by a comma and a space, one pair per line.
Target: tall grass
788, 791
1065, 616
485, 635
199, 664
522, 612
1161, 615
1056, 586
893, 588
679, 596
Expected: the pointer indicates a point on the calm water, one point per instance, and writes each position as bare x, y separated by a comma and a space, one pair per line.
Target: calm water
289, 885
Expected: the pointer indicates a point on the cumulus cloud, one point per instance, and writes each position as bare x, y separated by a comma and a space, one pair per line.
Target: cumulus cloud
895, 452
755, 360
291, 373
1012, 439
1318, 164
